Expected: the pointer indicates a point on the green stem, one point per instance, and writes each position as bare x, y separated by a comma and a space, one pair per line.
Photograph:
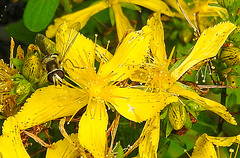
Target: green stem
67, 7
223, 96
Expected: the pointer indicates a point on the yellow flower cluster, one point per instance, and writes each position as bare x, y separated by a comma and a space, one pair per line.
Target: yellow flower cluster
122, 23
141, 57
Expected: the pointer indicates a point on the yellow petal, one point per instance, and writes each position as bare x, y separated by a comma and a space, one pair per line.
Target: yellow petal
11, 51
222, 141
154, 5
92, 129
80, 56
63, 148
213, 106
173, 4
203, 148
179, 90
157, 41
220, 110
122, 23
81, 16
10, 142
149, 145
135, 104
49, 103
207, 46
20, 53
132, 51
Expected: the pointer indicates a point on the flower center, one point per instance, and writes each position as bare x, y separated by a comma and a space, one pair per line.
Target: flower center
160, 79
97, 87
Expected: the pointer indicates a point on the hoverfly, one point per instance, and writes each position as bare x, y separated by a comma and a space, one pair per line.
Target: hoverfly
53, 60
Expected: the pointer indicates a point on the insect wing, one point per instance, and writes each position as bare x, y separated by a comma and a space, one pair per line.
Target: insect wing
65, 38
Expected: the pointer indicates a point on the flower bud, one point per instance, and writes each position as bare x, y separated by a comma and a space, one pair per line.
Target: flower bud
230, 56
32, 67
185, 36
177, 115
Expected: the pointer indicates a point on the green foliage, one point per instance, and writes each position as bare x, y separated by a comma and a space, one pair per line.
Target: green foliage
38, 14
19, 31
119, 150
208, 122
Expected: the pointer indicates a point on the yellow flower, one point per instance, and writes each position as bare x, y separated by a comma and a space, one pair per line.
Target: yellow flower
204, 146
122, 22
11, 143
96, 89
203, 8
158, 79
6, 84
62, 148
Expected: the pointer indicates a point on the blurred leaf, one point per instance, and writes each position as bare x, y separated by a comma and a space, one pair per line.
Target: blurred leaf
67, 6
54, 132
164, 113
178, 140
131, 6
230, 129
207, 123
174, 151
236, 68
20, 32
111, 15
188, 123
2, 117
39, 13
232, 99
128, 132
169, 128
118, 148
176, 64
163, 146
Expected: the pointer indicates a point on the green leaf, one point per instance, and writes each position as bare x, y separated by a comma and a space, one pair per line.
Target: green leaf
67, 6
13, 91
208, 122
111, 15
164, 113
232, 99
163, 147
178, 140
176, 64
128, 132
231, 130
168, 129
39, 13
118, 148
131, 6
17, 63
21, 99
188, 123
2, 117
17, 77
18, 31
